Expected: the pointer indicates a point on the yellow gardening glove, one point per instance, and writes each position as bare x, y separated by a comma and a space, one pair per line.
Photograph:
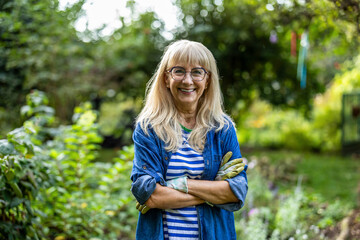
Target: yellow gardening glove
229, 169
142, 208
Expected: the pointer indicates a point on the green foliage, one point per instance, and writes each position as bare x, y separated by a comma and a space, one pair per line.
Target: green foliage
117, 117
50, 182
286, 218
248, 61
268, 126
327, 107
39, 49
332, 213
284, 207
257, 225
22, 173
127, 60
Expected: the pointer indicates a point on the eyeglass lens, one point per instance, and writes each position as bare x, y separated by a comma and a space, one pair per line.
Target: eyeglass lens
197, 74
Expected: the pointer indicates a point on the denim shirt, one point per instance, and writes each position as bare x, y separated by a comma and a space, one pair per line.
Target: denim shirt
150, 165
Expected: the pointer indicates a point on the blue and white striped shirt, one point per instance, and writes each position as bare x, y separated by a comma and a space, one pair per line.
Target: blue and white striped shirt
182, 223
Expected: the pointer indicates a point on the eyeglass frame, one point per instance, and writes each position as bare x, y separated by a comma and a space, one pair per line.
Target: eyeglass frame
170, 71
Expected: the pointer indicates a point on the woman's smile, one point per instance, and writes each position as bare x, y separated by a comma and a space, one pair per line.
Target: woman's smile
187, 90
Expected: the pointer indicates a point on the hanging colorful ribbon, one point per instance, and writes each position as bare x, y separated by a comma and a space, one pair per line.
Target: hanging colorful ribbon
293, 43
301, 68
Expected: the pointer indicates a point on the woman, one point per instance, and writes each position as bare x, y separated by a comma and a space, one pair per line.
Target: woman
188, 173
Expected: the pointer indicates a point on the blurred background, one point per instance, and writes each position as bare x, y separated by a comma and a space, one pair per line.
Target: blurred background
72, 80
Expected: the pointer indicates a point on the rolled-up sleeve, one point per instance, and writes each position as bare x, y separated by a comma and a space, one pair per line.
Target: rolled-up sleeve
239, 183
147, 167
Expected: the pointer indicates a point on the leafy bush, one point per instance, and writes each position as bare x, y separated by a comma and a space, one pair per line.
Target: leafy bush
327, 107
23, 173
268, 126
257, 225
52, 188
117, 118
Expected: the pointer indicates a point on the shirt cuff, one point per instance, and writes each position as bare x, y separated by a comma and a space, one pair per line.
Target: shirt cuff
143, 187
239, 186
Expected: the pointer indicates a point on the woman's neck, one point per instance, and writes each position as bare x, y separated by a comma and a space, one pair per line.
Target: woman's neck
188, 119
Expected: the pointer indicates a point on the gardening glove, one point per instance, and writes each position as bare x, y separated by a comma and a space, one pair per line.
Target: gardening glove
229, 169
142, 208
179, 184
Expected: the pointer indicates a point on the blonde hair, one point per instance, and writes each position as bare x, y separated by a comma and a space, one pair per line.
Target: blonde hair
160, 111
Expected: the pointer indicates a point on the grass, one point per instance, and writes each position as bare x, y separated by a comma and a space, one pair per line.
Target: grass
334, 177
331, 176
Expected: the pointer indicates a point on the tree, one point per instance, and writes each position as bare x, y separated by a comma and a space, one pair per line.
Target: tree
251, 42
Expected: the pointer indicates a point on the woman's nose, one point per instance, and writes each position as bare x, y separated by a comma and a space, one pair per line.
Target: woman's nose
187, 78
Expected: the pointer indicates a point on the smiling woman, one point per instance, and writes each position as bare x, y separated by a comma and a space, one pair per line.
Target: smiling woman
188, 175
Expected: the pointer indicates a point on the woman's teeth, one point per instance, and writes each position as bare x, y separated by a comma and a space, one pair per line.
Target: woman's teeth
187, 90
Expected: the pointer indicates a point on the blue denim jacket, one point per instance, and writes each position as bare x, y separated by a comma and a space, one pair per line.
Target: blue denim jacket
150, 165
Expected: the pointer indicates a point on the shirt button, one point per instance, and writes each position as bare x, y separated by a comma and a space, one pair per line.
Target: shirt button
166, 158
144, 167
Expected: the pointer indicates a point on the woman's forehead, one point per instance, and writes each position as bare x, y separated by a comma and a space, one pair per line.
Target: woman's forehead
185, 65
188, 62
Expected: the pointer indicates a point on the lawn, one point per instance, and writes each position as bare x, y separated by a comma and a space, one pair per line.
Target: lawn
332, 176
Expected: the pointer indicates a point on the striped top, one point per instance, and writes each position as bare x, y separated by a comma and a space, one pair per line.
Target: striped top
182, 223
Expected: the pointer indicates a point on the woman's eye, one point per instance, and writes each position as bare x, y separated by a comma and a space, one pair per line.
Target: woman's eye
179, 71
197, 72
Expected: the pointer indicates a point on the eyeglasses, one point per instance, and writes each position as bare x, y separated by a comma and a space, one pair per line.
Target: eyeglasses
179, 73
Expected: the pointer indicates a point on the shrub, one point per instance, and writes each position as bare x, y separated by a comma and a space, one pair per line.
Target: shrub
23, 173
268, 126
51, 187
117, 118
327, 107
275, 128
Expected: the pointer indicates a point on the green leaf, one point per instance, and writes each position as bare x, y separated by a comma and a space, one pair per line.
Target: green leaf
28, 207
16, 202
16, 189
26, 111
7, 148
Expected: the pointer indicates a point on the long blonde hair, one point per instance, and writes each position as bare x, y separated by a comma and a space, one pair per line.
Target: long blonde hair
160, 112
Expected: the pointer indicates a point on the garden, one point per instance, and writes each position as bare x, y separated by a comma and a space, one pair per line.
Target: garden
69, 99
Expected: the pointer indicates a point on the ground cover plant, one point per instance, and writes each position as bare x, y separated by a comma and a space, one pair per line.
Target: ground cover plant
296, 195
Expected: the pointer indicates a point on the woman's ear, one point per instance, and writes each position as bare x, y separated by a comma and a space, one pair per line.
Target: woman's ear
208, 78
167, 82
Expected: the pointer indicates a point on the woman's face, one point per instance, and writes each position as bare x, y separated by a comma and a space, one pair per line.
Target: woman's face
186, 92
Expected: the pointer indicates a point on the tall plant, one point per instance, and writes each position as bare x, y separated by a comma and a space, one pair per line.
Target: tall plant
22, 172
52, 187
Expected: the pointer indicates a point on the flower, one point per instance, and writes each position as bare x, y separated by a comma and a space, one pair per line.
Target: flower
253, 211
